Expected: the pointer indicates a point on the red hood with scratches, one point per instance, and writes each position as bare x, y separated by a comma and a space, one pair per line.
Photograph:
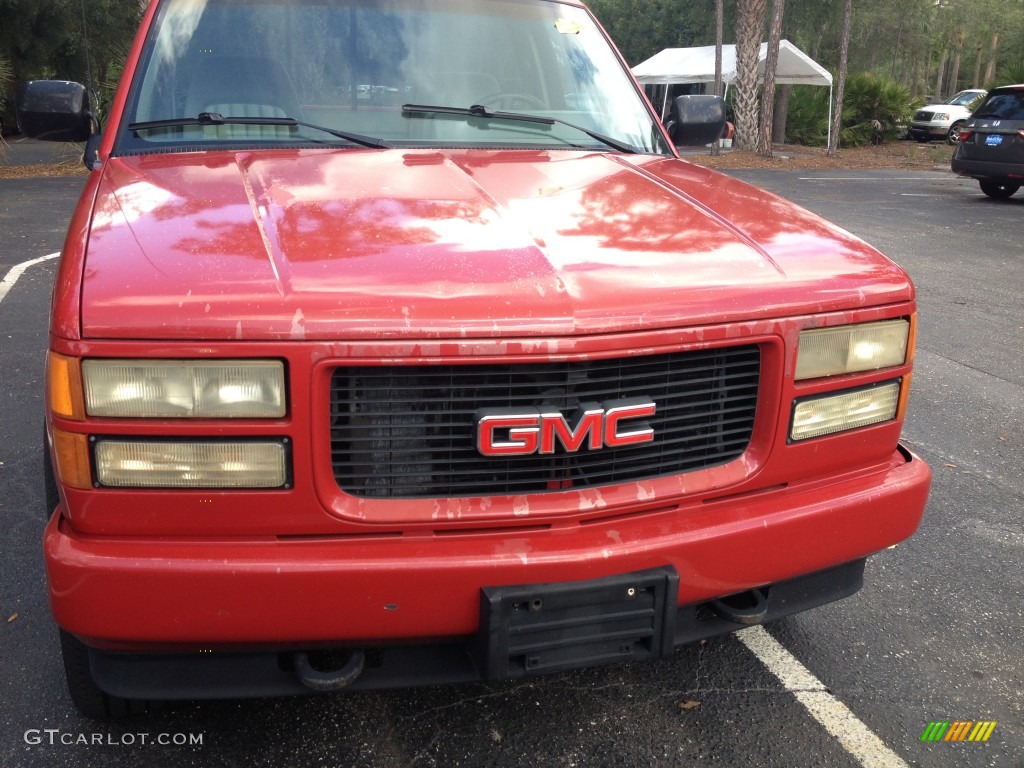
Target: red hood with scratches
355, 244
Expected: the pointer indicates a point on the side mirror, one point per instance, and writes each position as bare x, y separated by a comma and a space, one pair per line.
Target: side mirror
54, 110
696, 120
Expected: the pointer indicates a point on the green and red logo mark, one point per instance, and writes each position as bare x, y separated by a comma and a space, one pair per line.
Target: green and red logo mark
958, 730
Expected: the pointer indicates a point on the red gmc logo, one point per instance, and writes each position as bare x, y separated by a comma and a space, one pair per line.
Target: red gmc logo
525, 431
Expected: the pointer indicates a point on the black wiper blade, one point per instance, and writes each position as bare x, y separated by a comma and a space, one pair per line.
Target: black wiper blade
478, 110
215, 118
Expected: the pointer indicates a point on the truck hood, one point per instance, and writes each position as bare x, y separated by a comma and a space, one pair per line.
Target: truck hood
355, 244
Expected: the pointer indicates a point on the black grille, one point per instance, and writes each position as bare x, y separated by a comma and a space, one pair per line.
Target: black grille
409, 431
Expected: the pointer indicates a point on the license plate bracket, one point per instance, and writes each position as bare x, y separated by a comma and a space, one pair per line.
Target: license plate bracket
541, 628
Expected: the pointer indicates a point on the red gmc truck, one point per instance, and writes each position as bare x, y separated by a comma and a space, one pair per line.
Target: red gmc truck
393, 343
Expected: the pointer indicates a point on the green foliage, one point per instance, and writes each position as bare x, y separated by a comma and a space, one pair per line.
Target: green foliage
47, 38
874, 110
641, 28
31, 31
106, 87
807, 119
905, 40
1010, 73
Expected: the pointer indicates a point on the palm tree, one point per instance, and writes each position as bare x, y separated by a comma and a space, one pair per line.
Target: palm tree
749, 28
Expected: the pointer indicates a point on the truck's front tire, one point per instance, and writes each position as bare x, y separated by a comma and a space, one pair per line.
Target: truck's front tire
89, 699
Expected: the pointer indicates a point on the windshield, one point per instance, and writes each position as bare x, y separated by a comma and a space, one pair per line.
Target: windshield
964, 98
1007, 105
352, 65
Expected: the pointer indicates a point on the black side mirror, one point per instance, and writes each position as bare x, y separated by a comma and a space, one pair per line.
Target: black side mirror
54, 110
696, 120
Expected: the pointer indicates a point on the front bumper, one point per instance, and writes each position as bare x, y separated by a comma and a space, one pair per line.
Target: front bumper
161, 593
923, 131
244, 674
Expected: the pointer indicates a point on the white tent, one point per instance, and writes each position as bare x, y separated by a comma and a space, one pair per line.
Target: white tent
697, 65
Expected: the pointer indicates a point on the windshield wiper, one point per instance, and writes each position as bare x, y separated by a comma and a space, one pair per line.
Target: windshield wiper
480, 111
215, 118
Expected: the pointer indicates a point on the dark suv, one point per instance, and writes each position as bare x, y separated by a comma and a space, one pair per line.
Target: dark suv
991, 147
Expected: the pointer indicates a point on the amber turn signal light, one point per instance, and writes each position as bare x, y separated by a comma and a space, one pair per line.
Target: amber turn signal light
64, 386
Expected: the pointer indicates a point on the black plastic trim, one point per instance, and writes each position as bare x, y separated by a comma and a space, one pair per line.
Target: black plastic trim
242, 674
539, 628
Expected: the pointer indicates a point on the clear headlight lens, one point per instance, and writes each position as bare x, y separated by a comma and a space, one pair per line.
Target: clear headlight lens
160, 464
216, 389
849, 409
852, 348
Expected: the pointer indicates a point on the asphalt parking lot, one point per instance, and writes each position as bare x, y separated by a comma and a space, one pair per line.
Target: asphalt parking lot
935, 635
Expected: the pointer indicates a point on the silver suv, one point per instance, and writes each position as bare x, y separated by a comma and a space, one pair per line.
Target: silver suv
991, 147
945, 119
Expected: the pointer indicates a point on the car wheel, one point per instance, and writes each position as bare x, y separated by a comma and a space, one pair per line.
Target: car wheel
997, 189
88, 697
953, 135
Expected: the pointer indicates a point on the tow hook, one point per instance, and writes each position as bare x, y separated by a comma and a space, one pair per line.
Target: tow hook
747, 608
328, 679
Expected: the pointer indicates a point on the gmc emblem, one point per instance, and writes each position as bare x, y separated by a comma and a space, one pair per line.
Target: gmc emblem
525, 431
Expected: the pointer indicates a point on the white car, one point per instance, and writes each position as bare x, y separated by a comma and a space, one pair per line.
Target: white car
944, 120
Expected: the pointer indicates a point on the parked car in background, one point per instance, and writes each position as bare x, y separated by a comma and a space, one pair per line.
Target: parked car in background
991, 143
945, 119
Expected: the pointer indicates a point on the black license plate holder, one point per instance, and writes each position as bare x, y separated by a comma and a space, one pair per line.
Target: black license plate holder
541, 628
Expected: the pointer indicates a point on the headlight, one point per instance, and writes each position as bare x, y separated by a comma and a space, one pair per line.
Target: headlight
852, 348
215, 389
167, 464
840, 411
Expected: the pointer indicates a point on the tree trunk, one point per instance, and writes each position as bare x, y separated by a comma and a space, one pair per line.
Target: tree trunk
896, 48
749, 28
781, 111
719, 15
954, 71
977, 66
837, 107
771, 62
940, 94
816, 40
990, 71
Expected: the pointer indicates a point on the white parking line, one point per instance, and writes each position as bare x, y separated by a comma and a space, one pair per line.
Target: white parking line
856, 738
17, 270
858, 178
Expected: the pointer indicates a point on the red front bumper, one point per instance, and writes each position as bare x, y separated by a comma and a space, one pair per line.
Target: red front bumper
132, 592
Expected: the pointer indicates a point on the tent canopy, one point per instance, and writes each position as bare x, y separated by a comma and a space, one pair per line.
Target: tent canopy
697, 65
